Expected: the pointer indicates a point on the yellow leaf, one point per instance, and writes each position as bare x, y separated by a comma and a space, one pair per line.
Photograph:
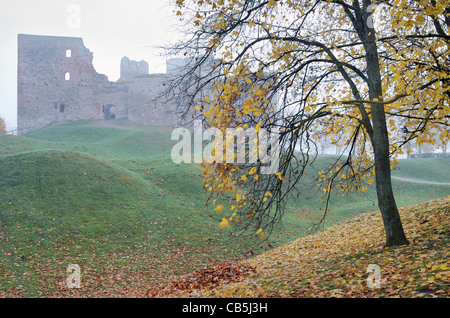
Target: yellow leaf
224, 223
260, 232
420, 19
444, 267
258, 127
219, 208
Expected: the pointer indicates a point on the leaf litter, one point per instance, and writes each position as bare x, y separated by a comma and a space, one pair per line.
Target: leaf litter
334, 262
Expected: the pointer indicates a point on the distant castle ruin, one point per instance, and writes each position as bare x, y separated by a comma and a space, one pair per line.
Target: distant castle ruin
57, 82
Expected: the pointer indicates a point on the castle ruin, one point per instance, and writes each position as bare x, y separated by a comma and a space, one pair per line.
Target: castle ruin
57, 82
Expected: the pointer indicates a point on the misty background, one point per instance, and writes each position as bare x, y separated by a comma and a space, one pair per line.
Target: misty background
110, 29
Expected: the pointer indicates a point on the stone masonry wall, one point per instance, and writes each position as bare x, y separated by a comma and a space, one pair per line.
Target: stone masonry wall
57, 82
129, 69
145, 104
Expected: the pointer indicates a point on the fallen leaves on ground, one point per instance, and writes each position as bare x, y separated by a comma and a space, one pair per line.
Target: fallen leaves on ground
335, 262
125, 272
204, 278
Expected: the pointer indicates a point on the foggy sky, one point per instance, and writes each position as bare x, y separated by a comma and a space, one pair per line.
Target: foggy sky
110, 29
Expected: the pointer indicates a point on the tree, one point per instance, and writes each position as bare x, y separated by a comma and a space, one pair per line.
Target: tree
2, 126
370, 75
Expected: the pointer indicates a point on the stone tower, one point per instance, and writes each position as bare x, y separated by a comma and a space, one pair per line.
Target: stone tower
130, 69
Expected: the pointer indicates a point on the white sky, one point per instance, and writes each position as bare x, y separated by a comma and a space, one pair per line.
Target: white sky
110, 29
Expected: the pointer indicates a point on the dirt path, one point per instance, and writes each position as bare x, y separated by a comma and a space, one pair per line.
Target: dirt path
420, 181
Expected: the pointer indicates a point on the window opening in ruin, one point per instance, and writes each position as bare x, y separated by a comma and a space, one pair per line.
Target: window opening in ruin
61, 108
67, 76
68, 53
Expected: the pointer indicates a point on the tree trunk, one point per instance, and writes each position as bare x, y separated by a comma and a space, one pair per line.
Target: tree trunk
386, 201
380, 142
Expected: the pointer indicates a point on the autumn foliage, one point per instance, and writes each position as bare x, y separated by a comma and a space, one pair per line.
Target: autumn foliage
223, 273
368, 77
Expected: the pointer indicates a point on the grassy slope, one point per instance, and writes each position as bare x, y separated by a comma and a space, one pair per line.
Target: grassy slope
335, 262
62, 207
307, 210
112, 201
121, 226
429, 169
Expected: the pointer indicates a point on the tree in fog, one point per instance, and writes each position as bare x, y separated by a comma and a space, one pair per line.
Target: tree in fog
371, 76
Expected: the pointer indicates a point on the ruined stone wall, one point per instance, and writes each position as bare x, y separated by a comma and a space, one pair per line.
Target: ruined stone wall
56, 82
116, 94
130, 69
145, 104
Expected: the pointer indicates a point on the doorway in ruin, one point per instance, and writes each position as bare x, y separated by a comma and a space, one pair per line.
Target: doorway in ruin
109, 111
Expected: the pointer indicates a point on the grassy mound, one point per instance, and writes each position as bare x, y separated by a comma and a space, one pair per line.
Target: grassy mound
65, 207
110, 199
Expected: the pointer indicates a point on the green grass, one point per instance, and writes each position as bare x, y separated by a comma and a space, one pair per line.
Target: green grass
305, 211
429, 169
103, 142
58, 206
112, 201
